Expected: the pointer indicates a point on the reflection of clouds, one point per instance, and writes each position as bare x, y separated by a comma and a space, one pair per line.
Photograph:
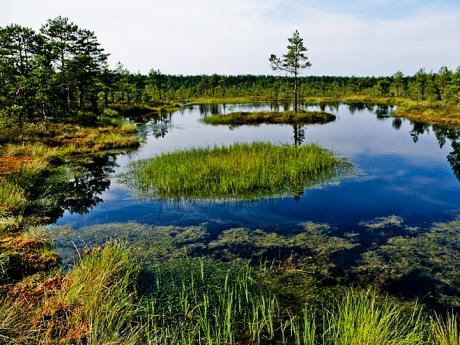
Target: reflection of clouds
418, 194
392, 173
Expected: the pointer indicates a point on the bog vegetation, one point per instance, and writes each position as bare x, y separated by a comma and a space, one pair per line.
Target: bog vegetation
198, 301
237, 171
61, 105
269, 117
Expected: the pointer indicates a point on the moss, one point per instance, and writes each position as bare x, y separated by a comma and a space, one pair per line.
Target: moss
269, 117
26, 253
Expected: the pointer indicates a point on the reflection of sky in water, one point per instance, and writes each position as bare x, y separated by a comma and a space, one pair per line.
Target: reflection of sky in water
397, 176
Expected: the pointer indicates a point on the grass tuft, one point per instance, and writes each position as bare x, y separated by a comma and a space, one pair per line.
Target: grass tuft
238, 171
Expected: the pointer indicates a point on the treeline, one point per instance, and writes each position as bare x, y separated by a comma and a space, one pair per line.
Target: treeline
443, 85
55, 73
60, 72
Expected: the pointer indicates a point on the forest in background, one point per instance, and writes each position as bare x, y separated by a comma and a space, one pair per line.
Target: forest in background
61, 73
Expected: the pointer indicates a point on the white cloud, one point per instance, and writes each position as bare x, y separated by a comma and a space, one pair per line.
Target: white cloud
233, 37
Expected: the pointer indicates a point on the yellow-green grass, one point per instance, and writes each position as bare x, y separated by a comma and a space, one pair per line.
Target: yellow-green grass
80, 140
201, 301
436, 112
140, 109
269, 117
238, 171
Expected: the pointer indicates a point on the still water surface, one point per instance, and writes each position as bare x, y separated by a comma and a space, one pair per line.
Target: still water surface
407, 169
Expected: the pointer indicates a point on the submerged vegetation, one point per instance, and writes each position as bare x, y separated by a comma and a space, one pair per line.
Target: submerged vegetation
237, 171
269, 117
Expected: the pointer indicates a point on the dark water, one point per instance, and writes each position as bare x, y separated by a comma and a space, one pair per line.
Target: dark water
407, 169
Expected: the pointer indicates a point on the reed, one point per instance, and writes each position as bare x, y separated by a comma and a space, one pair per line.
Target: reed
238, 171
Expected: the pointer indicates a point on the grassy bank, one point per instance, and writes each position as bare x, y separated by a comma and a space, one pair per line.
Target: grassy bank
31, 158
107, 298
142, 109
237, 171
269, 117
436, 112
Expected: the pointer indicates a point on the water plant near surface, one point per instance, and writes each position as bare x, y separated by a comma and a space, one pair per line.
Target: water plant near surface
269, 117
238, 171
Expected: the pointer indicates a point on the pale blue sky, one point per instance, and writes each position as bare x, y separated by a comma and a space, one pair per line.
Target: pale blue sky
361, 37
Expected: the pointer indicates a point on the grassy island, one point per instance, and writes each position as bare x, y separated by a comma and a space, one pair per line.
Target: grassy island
237, 171
269, 117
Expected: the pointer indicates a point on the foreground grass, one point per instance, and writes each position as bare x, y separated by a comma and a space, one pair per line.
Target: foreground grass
201, 301
269, 117
237, 171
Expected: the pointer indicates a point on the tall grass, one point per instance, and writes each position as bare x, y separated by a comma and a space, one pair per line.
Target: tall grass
201, 302
13, 199
237, 171
269, 117
198, 301
21, 165
446, 331
360, 318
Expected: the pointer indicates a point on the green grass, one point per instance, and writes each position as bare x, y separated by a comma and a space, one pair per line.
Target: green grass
202, 301
366, 318
237, 171
269, 117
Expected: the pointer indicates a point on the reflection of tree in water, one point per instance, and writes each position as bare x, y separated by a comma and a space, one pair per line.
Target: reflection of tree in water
74, 188
397, 123
299, 134
161, 125
418, 128
443, 134
453, 134
383, 111
359, 106
208, 109
454, 158
157, 124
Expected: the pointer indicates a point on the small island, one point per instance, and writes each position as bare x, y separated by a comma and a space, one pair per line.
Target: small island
270, 117
239, 171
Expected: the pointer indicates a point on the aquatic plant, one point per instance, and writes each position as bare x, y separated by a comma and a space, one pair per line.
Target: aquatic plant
238, 171
269, 117
430, 258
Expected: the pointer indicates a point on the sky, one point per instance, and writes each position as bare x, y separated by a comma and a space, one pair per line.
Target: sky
344, 37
